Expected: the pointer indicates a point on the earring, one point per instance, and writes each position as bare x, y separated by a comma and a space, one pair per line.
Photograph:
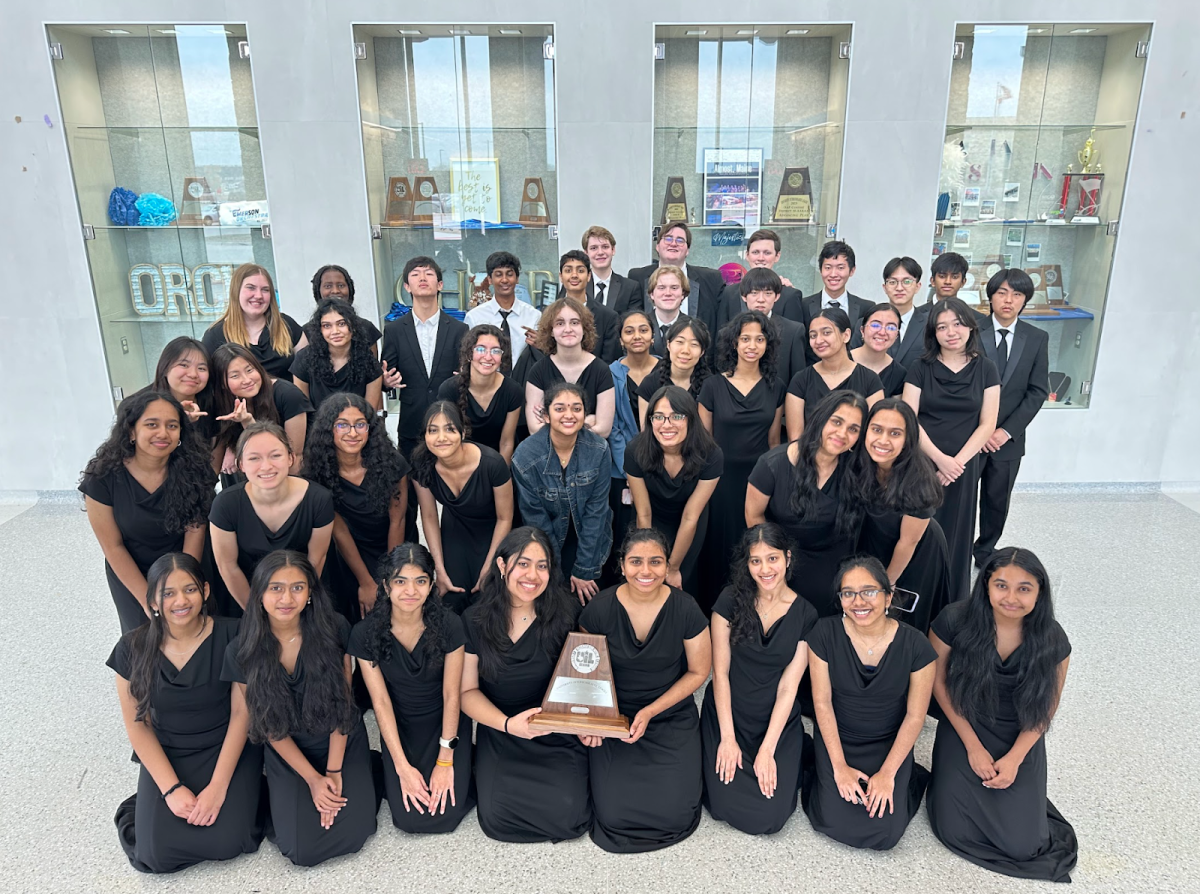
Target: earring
156, 613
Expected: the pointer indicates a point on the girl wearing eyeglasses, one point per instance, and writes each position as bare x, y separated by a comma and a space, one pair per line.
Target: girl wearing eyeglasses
350, 455
489, 401
835, 370
880, 328
871, 682
472, 484
338, 356
673, 467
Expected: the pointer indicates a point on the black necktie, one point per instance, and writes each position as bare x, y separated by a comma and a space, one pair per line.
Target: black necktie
663, 331
507, 360
600, 291
1002, 352
835, 305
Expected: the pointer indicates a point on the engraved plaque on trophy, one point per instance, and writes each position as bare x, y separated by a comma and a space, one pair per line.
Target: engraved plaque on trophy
534, 208
1052, 275
399, 201
198, 207
795, 198
674, 209
426, 199
581, 699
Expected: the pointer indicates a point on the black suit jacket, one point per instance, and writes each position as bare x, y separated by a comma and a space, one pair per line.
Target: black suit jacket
702, 302
855, 307
608, 328
911, 343
622, 294
793, 343
1025, 384
788, 305
402, 351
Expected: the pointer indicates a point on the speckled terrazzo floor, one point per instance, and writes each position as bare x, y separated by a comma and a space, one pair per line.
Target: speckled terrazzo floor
1123, 751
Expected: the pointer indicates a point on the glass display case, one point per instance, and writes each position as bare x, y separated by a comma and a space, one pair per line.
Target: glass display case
1038, 137
162, 136
460, 152
748, 131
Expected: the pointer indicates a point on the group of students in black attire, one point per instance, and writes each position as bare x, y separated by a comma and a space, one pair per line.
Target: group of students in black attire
774, 552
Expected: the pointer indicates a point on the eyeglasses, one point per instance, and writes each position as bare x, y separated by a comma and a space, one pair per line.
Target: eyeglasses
660, 418
908, 282
674, 240
867, 595
342, 427
875, 326
482, 350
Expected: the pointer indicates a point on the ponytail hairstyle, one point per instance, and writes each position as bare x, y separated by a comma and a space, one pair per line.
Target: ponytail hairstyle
424, 462
840, 320
433, 612
744, 625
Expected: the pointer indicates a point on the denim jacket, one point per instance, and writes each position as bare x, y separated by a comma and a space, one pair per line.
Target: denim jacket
625, 427
550, 500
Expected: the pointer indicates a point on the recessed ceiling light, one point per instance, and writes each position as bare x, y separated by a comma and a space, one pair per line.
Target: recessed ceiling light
510, 30
1082, 31
460, 32
746, 32
797, 31
115, 31
409, 32
700, 32
165, 30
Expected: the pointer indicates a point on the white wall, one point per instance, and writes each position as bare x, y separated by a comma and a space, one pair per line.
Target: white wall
53, 381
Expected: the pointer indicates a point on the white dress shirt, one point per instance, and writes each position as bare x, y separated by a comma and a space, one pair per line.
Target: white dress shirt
522, 314
843, 301
905, 319
427, 331
1009, 330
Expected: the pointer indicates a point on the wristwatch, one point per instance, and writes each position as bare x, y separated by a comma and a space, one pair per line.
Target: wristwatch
448, 743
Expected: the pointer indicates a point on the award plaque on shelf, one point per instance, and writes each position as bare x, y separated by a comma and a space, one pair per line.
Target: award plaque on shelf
674, 209
198, 207
426, 200
795, 197
534, 209
581, 699
1038, 275
1052, 276
399, 201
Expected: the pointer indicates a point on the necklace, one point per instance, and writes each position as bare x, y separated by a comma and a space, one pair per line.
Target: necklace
872, 647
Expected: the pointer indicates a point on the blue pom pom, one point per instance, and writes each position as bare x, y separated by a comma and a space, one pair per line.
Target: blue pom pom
122, 208
155, 210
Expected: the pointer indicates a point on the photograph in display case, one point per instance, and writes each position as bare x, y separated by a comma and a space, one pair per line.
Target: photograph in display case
1033, 252
956, 210
971, 195
1015, 236
939, 248
1012, 192
962, 237
987, 209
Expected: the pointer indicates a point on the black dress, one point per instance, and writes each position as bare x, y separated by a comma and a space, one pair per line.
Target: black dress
487, 425
297, 824
818, 549
527, 789
233, 511
415, 689
139, 515
869, 704
755, 668
340, 381
741, 426
190, 715
1015, 831
926, 573
950, 406
277, 365
892, 378
811, 388
595, 379
647, 794
468, 521
668, 498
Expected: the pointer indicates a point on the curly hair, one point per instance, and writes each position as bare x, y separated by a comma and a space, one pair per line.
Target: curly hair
320, 274
433, 611
554, 606
188, 488
805, 490
697, 448
700, 371
327, 704
744, 625
261, 406
911, 486
363, 368
385, 466
466, 353
727, 344
545, 334
424, 463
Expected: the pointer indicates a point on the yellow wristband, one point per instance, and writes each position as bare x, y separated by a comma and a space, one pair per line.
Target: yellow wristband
442, 763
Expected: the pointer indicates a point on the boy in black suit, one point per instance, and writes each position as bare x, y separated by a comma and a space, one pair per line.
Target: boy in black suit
1021, 354
947, 275
763, 250
575, 271
674, 241
761, 290
901, 283
607, 288
836, 265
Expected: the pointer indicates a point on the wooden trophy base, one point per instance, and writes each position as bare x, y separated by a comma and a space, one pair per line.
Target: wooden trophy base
580, 725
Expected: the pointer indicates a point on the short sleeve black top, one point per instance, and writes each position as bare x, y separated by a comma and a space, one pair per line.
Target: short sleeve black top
869, 702
487, 425
368, 526
233, 511
595, 379
308, 741
951, 401
477, 499
643, 671
669, 496
277, 365
811, 388
340, 381
190, 705
892, 378
289, 400
414, 684
741, 422
773, 476
138, 513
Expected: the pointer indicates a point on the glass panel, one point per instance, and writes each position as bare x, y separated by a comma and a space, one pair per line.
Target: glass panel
165, 110
751, 119
459, 143
1038, 135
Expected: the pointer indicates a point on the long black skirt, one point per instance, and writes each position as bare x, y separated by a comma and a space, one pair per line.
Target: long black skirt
927, 573
957, 518
725, 525
419, 738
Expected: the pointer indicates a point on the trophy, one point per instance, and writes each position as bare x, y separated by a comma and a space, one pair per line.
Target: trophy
534, 211
795, 197
1089, 155
1052, 274
581, 699
198, 207
399, 201
426, 200
674, 208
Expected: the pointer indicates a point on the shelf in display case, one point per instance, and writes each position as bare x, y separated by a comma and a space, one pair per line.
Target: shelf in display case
998, 222
172, 226
999, 125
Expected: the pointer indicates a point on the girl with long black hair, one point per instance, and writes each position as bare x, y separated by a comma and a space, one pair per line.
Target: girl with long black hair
750, 730
829, 335
490, 402
410, 651
350, 454
147, 492
338, 356
1002, 660
289, 661
806, 487
198, 789
183, 372
685, 366
531, 786
900, 492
